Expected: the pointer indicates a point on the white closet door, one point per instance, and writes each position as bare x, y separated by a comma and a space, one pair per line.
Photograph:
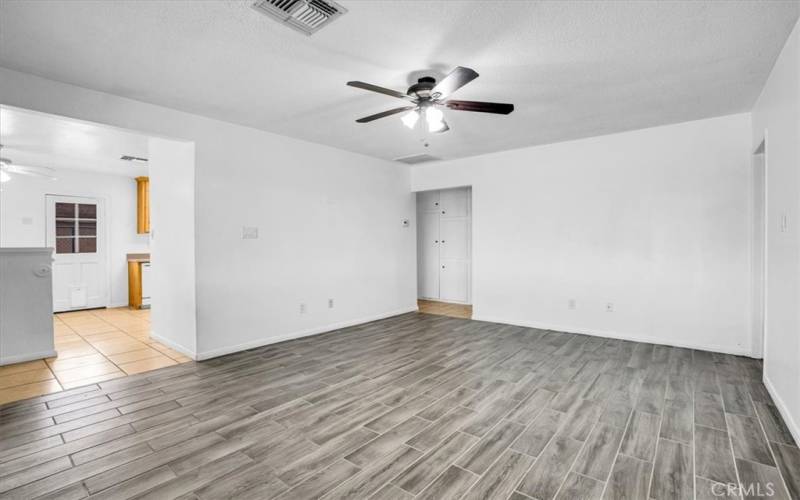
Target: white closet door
454, 283
428, 251
454, 202
429, 201
455, 239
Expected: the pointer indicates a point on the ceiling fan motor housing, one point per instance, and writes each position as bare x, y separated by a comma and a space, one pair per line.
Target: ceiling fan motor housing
423, 87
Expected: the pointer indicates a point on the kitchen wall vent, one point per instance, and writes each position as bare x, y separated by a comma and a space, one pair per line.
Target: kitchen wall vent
414, 159
305, 16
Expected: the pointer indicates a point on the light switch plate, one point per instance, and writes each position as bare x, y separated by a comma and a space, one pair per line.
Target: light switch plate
249, 233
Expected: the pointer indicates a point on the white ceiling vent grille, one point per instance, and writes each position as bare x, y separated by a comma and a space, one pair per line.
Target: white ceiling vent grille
414, 159
305, 16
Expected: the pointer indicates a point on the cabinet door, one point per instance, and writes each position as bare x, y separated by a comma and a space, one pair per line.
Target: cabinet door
454, 202
428, 252
145, 283
455, 238
454, 282
428, 201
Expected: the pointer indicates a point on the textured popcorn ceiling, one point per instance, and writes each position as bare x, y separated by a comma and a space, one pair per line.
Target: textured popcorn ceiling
573, 69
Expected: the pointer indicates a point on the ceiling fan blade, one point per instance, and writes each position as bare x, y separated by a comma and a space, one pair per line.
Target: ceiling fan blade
454, 81
381, 90
44, 172
384, 114
481, 107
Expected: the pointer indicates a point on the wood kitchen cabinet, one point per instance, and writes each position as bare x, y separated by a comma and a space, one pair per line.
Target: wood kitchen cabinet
143, 205
138, 280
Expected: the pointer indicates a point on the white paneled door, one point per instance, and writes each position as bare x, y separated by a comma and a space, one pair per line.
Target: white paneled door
76, 230
428, 252
444, 245
454, 285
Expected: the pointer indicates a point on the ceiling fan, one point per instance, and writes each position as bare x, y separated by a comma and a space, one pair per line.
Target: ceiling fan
7, 168
427, 97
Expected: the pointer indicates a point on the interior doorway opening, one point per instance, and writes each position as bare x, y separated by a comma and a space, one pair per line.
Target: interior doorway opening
81, 190
759, 249
444, 252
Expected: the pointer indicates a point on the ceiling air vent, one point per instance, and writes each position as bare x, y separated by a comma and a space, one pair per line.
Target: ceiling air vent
414, 159
131, 158
305, 16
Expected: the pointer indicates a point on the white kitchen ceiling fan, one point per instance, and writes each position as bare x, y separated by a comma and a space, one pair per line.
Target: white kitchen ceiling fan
8, 169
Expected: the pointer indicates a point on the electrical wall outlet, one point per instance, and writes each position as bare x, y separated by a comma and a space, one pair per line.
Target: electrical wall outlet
302, 308
610, 307
571, 304
330, 303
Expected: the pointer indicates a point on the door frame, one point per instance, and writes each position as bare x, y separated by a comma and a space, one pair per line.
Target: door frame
102, 238
470, 238
759, 343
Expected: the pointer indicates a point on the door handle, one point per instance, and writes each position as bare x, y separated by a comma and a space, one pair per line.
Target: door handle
442, 241
442, 267
437, 241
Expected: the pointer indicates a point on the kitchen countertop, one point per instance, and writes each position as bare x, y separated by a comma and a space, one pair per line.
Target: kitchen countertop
138, 257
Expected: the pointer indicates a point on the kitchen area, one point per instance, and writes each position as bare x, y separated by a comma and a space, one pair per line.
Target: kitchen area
75, 268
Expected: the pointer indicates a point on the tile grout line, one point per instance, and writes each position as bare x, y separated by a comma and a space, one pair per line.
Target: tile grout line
728, 431
767, 441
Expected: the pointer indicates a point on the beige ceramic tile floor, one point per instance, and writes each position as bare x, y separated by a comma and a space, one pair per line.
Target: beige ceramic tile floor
445, 309
92, 346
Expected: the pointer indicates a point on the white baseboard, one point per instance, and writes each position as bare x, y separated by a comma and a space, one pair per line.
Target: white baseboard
616, 335
214, 353
172, 345
10, 360
794, 428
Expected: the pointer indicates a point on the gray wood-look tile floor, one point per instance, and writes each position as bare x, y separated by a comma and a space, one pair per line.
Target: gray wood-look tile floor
412, 406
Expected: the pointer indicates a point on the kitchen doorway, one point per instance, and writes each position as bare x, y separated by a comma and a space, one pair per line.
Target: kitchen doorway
444, 252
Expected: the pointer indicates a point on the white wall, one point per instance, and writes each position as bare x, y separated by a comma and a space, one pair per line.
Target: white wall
776, 115
654, 221
329, 221
172, 231
23, 218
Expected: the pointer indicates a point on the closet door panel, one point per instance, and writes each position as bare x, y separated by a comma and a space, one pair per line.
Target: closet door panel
454, 282
428, 251
428, 201
455, 239
454, 202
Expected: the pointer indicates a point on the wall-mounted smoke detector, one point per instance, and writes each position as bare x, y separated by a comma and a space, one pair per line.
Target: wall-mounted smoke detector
132, 158
305, 16
414, 159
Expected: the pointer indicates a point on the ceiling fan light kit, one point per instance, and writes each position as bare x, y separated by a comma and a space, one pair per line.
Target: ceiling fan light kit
427, 96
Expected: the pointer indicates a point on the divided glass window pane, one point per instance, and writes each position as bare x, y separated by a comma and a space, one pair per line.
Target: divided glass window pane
87, 228
65, 227
86, 211
76, 227
87, 245
65, 245
65, 210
